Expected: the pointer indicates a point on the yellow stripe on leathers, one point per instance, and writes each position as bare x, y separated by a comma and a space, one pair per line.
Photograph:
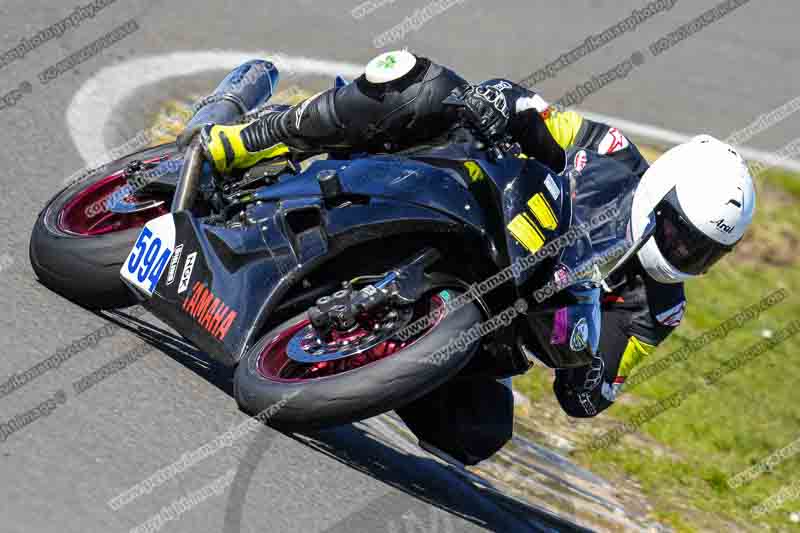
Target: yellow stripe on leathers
544, 214
563, 126
525, 231
635, 351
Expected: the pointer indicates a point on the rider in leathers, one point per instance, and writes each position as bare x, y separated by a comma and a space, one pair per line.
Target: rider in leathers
385, 111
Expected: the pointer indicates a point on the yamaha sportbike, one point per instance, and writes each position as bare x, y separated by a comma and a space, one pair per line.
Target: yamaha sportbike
351, 286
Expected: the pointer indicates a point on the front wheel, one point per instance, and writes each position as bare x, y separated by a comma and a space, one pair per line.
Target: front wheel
376, 378
78, 245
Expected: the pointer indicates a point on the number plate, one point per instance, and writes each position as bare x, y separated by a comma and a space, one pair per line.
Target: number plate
150, 255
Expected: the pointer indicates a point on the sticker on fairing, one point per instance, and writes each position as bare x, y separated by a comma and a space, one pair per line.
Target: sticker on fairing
552, 188
150, 254
173, 265
543, 212
186, 275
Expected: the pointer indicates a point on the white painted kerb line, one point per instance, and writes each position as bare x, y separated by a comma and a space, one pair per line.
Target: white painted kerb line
94, 104
654, 133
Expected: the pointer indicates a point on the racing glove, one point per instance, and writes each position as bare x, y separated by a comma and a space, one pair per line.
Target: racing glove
486, 108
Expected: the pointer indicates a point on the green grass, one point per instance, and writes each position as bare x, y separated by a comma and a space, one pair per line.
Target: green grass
749, 414
787, 181
535, 385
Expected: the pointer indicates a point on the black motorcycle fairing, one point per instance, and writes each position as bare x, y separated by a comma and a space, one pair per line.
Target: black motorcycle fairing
507, 188
403, 180
386, 176
239, 274
290, 231
533, 198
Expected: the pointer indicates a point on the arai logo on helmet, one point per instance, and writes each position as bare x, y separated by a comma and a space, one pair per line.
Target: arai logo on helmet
721, 226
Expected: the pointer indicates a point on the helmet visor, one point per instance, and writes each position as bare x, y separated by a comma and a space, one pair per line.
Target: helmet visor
685, 247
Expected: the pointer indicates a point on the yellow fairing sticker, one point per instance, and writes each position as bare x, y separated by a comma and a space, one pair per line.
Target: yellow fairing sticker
526, 232
475, 171
543, 212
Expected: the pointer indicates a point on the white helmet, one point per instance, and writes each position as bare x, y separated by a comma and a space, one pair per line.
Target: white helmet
702, 198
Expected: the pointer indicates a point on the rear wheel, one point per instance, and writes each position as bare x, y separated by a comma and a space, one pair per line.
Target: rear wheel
77, 245
379, 372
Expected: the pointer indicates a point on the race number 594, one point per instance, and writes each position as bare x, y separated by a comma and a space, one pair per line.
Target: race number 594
150, 254
147, 260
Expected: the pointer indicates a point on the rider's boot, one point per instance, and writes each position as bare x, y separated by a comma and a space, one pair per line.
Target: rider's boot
310, 124
367, 114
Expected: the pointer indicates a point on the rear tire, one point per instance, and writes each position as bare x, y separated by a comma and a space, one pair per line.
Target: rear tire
360, 393
85, 269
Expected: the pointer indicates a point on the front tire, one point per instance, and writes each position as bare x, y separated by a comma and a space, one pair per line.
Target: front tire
85, 267
359, 393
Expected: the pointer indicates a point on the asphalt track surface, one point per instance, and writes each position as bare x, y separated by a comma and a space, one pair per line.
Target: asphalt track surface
58, 473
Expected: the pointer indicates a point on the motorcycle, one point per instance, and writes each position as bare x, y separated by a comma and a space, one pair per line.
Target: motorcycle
350, 287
